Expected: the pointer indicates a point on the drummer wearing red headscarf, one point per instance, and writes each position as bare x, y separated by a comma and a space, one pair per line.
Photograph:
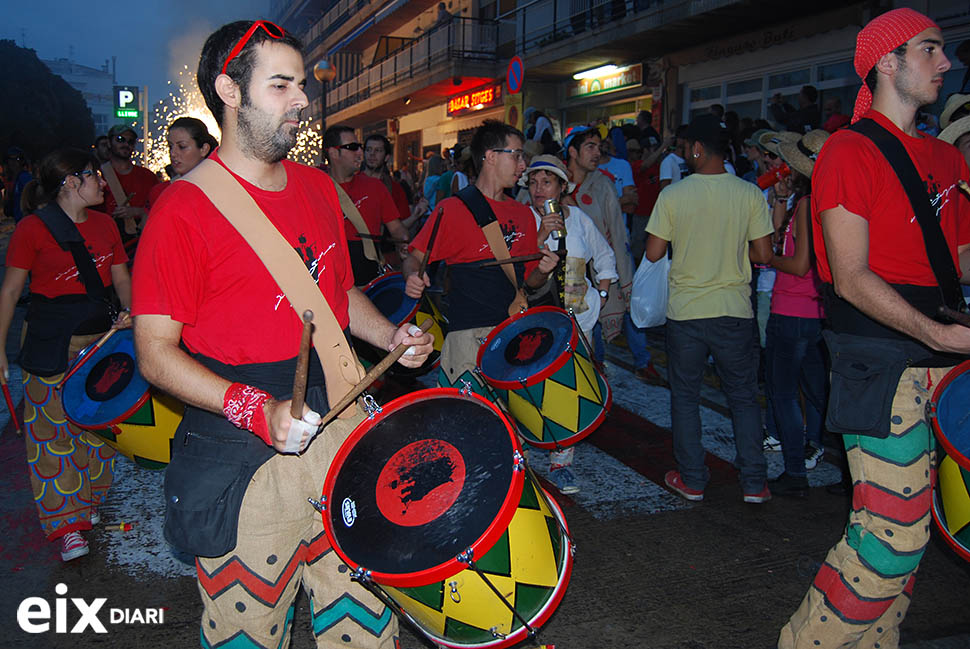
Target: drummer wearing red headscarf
888, 348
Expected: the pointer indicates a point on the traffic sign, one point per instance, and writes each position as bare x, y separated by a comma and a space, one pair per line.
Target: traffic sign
515, 75
126, 101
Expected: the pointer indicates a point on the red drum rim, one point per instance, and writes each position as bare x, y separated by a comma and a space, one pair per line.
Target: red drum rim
479, 547
117, 420
550, 607
938, 519
948, 446
538, 377
385, 277
572, 440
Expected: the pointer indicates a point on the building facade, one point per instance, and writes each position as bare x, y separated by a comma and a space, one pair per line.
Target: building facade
94, 84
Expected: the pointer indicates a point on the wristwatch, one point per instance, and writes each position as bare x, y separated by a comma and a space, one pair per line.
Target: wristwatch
604, 294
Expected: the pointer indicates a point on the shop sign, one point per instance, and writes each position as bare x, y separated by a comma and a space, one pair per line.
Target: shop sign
475, 100
126, 102
628, 77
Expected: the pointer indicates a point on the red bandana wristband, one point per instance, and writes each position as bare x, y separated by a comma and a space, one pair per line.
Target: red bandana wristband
879, 37
243, 407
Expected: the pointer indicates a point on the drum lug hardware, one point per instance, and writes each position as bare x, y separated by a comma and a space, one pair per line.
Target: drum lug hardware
569, 347
361, 575
496, 634
930, 409
518, 462
455, 595
481, 340
371, 406
319, 505
466, 388
466, 556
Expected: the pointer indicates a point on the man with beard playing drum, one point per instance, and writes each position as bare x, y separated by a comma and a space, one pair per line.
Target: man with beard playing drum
213, 328
480, 297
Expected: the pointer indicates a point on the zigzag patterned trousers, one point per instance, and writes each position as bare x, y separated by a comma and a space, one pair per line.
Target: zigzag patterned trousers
70, 469
249, 593
861, 592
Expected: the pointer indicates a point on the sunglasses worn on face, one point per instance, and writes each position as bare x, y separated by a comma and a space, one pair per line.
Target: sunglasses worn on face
351, 146
130, 140
272, 30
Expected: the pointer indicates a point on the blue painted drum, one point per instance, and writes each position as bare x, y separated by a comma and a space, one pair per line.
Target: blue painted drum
950, 418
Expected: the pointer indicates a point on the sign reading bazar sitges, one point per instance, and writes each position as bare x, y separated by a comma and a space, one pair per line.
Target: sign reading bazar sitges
628, 77
475, 100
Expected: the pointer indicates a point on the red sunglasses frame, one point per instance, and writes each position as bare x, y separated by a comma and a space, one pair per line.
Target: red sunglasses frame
238, 47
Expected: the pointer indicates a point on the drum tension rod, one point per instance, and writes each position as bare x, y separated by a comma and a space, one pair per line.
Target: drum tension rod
466, 557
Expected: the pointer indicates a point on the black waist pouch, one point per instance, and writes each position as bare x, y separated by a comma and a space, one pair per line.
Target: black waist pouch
50, 325
865, 374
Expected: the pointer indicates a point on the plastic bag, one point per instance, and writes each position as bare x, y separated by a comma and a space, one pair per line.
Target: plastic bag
648, 304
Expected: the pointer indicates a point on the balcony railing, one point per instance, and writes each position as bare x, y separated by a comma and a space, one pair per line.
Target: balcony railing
331, 21
461, 39
545, 22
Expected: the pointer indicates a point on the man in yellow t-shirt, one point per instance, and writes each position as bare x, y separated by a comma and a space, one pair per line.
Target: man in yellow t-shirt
716, 224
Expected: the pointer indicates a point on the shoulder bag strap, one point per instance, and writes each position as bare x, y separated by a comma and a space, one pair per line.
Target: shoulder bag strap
118, 192
69, 238
353, 214
936, 247
340, 366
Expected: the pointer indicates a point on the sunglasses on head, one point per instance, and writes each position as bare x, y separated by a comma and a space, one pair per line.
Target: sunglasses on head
272, 30
351, 146
122, 138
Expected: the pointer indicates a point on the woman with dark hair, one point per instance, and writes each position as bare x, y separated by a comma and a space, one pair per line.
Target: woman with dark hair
66, 249
189, 143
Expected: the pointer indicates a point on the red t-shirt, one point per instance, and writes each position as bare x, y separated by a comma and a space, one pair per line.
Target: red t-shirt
851, 172
373, 201
648, 186
196, 268
400, 199
52, 270
138, 182
156, 191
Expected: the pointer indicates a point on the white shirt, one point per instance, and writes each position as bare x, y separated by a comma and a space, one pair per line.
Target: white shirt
584, 242
672, 168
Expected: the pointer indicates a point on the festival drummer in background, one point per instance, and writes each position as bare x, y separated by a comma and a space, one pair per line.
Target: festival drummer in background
216, 331
480, 298
189, 143
70, 468
887, 348
366, 204
546, 179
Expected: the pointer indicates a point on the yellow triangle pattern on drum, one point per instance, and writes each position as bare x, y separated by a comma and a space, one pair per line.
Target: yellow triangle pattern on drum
585, 372
533, 559
953, 491
488, 611
561, 405
526, 415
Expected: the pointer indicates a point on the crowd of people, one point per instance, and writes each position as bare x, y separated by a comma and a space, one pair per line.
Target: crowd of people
793, 258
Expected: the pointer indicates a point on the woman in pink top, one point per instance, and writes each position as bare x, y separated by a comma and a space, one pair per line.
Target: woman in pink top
793, 347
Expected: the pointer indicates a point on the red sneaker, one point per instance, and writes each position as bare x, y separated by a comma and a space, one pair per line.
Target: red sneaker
73, 546
673, 480
762, 496
650, 375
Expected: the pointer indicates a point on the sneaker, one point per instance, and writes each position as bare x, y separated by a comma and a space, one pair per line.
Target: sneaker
649, 374
564, 480
789, 485
762, 496
772, 445
95, 516
813, 455
73, 546
673, 480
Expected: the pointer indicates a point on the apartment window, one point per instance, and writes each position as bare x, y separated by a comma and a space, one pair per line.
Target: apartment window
787, 79
705, 94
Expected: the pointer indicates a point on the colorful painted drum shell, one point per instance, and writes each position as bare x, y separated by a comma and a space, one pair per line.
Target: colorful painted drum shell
430, 476
531, 565
387, 294
951, 505
951, 424
108, 388
146, 436
527, 348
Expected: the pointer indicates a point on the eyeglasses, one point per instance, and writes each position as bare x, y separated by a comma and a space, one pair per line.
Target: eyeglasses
85, 172
130, 140
518, 154
350, 146
272, 30
773, 156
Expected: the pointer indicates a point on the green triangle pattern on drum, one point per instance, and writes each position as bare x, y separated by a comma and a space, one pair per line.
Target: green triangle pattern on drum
557, 433
529, 499
555, 537
153, 465
431, 595
144, 416
460, 632
566, 375
498, 560
533, 394
588, 412
528, 601
106, 433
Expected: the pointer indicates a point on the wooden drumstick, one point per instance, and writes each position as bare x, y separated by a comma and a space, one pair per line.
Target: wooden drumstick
9, 399
370, 377
511, 260
302, 364
431, 238
84, 359
964, 186
956, 316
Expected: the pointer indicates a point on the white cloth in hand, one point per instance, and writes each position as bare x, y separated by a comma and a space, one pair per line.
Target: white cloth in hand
309, 426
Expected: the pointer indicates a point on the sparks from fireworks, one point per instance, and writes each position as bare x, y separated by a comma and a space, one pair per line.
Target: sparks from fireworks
185, 100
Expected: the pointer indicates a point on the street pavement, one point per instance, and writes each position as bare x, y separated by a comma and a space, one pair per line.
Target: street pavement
651, 570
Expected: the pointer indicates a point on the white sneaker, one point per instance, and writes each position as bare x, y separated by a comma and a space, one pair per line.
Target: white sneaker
73, 546
772, 445
813, 456
95, 516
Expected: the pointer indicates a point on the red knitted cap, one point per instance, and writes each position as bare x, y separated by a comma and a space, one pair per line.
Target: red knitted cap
881, 36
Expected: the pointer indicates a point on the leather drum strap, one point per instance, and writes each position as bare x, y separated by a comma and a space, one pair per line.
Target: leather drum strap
352, 213
340, 367
118, 192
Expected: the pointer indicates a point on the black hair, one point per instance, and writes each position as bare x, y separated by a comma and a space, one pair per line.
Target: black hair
240, 69
50, 174
99, 138
197, 130
646, 115
872, 77
579, 139
492, 134
383, 140
331, 137
811, 93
